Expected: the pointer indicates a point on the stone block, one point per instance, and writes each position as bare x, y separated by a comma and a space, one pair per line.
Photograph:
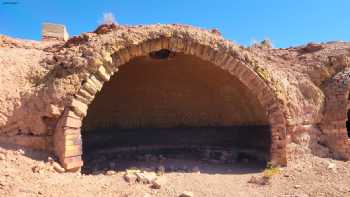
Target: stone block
96, 82
72, 150
82, 99
90, 87
71, 122
146, 47
52, 31
87, 95
72, 163
156, 45
124, 54
79, 107
196, 49
165, 43
135, 51
71, 131
73, 141
103, 73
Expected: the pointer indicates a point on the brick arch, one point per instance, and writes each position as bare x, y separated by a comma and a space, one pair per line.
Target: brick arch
67, 136
337, 105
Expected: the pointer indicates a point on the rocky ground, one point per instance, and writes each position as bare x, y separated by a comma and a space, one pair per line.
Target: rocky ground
26, 172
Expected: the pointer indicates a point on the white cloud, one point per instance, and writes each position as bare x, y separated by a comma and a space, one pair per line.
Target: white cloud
108, 18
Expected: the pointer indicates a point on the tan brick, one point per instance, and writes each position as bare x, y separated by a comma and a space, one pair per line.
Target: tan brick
79, 107
97, 82
188, 46
146, 47
71, 163
229, 63
90, 87
165, 43
107, 58
197, 50
135, 51
156, 45
71, 131
70, 113
87, 95
82, 99
103, 73
124, 54
219, 58
73, 141
73, 150
117, 59
209, 54
172, 44
180, 45
71, 136
71, 122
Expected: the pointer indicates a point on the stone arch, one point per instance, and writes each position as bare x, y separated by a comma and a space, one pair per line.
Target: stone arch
67, 137
337, 106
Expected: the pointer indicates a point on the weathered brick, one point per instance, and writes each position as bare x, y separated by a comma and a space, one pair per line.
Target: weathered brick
72, 150
71, 122
103, 73
72, 163
79, 107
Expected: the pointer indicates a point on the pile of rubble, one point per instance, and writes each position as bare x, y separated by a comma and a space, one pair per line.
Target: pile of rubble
104, 160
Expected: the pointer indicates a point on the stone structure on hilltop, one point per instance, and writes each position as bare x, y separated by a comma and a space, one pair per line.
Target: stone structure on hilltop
173, 76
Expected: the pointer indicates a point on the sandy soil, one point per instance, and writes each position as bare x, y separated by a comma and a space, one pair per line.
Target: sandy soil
23, 172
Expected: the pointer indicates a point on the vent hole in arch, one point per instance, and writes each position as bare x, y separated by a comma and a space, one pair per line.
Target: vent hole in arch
161, 54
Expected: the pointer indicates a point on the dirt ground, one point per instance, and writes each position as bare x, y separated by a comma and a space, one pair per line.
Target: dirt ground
26, 172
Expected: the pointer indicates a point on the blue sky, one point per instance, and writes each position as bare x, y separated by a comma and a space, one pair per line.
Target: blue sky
284, 22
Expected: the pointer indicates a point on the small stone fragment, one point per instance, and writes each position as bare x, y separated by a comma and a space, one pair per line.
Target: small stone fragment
187, 194
130, 178
259, 180
158, 183
20, 152
146, 177
297, 186
36, 169
110, 172
2, 157
332, 166
50, 159
58, 168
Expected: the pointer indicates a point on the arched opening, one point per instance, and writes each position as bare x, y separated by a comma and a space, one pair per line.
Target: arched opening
171, 105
